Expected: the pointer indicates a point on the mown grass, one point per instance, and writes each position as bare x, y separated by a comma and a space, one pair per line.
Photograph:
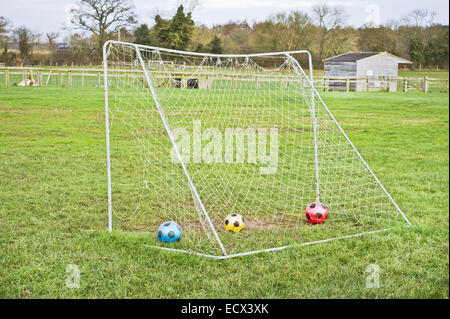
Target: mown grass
435, 74
53, 212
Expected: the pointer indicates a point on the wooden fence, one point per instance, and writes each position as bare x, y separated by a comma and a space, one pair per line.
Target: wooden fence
52, 76
386, 84
93, 77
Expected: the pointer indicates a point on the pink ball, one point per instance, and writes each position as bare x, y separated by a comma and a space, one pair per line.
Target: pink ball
316, 213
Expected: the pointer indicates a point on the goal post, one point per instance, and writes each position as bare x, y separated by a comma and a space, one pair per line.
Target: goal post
194, 137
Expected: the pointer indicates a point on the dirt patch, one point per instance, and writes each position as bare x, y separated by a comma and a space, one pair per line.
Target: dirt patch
259, 222
11, 110
271, 222
424, 120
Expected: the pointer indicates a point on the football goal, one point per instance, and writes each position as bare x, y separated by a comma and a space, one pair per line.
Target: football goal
195, 137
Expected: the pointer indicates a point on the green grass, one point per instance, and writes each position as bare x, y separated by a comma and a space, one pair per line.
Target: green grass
53, 195
435, 74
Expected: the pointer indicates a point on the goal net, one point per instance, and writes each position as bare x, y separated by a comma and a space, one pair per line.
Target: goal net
194, 137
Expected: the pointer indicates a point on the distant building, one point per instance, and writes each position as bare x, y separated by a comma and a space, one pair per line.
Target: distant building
63, 46
371, 71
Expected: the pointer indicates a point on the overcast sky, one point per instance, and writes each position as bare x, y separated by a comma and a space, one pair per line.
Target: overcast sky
52, 15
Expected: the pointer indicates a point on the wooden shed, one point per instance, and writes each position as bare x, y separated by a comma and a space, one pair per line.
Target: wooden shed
367, 71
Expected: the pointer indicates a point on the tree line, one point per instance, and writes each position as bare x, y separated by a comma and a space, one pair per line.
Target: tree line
323, 32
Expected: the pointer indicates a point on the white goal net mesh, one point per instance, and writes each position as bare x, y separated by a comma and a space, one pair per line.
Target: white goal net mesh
244, 129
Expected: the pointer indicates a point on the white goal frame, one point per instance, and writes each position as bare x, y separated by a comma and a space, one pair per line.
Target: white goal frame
315, 94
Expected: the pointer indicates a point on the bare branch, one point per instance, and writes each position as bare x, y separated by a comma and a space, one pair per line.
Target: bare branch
189, 5
328, 19
419, 18
103, 17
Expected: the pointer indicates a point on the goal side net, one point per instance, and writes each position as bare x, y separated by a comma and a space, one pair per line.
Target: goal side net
194, 137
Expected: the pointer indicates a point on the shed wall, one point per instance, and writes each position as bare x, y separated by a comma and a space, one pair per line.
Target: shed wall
381, 65
340, 69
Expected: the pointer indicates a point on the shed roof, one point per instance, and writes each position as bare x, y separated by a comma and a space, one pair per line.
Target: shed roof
350, 57
355, 56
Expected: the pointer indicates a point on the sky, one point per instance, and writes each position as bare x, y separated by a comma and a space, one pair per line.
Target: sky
43, 16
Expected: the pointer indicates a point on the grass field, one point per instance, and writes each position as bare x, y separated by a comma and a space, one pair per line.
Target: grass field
53, 212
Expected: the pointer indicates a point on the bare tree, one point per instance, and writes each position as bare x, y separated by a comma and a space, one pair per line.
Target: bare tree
328, 18
51, 38
419, 23
103, 18
419, 18
293, 29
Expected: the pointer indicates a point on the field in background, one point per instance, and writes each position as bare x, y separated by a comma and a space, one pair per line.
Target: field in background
439, 74
53, 209
437, 80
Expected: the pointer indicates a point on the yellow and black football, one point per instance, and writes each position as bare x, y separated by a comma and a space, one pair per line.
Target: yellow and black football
234, 223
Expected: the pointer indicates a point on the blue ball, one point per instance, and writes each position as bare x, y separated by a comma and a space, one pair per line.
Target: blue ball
169, 232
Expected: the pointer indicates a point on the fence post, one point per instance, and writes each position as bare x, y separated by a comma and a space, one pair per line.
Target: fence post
367, 84
7, 78
425, 84
69, 79
99, 83
405, 84
347, 84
